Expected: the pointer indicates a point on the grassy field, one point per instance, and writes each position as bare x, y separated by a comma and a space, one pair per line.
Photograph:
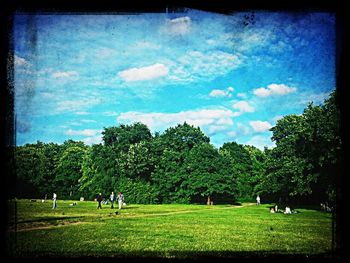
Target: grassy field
171, 231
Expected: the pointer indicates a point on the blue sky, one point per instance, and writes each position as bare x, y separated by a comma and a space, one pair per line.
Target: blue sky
76, 74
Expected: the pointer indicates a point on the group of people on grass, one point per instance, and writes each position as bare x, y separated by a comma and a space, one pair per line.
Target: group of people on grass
120, 198
274, 209
99, 199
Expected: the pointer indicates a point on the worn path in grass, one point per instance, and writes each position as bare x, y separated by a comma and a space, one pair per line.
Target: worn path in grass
66, 223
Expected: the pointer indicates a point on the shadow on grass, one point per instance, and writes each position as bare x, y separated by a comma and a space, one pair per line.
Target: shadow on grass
155, 256
49, 219
129, 207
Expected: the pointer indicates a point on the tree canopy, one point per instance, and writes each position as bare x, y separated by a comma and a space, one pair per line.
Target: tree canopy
182, 166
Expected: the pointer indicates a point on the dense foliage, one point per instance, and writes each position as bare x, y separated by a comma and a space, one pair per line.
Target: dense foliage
181, 166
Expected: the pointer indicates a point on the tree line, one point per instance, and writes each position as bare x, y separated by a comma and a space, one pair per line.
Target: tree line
182, 166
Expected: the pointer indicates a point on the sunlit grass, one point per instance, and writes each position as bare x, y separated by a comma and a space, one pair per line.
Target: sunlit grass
164, 230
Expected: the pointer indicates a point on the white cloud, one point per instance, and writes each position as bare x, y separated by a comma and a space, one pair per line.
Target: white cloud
144, 45
242, 129
260, 126
216, 128
81, 113
110, 113
243, 107
219, 93
260, 142
210, 41
306, 97
195, 65
242, 95
274, 89
178, 26
278, 117
93, 140
105, 52
75, 105
88, 121
19, 62
251, 39
65, 74
211, 119
86, 132
145, 73
231, 134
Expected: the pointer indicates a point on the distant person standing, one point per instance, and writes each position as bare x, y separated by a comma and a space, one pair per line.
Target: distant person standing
120, 200
258, 200
112, 198
99, 200
54, 199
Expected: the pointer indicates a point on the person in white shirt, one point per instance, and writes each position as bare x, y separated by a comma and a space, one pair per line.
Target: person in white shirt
120, 200
287, 211
112, 200
54, 198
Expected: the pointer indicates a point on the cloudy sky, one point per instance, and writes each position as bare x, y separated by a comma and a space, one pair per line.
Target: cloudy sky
233, 75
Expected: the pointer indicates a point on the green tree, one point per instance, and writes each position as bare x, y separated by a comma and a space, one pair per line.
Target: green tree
320, 146
100, 170
69, 171
258, 160
168, 177
285, 176
123, 136
241, 168
30, 169
136, 191
137, 162
308, 154
183, 137
208, 174
52, 153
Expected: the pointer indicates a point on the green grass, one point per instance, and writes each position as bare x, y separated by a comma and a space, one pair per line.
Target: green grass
164, 230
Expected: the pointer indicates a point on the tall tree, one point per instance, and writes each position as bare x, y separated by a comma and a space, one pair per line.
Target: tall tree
100, 170
241, 167
209, 175
69, 172
258, 160
183, 137
285, 169
321, 146
308, 154
171, 150
137, 162
168, 177
30, 169
123, 136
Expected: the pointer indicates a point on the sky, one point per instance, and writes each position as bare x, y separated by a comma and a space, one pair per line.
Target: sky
231, 75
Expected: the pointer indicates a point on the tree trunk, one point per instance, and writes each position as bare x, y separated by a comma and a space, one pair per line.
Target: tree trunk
209, 200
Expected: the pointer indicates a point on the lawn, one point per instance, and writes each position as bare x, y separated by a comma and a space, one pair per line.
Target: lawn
171, 231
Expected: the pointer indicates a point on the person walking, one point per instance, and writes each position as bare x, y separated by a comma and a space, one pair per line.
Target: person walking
99, 200
120, 200
112, 198
54, 199
258, 200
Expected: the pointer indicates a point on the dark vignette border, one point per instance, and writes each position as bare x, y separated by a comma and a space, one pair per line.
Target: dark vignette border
8, 130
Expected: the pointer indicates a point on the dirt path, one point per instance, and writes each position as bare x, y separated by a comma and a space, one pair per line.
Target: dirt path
48, 226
